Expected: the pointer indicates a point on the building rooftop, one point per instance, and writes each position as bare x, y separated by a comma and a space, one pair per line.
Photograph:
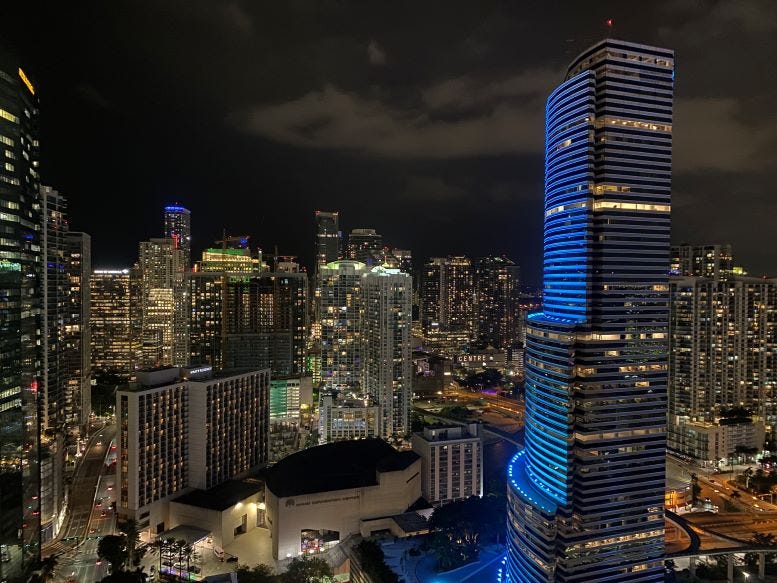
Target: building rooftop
335, 466
220, 497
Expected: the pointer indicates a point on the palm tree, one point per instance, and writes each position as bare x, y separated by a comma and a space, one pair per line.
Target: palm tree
130, 530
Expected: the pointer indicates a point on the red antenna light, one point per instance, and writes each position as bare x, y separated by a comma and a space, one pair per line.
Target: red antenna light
609, 22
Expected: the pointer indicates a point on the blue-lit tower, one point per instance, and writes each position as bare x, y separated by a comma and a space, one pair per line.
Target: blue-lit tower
586, 494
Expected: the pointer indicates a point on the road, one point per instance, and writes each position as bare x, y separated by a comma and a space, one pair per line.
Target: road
76, 549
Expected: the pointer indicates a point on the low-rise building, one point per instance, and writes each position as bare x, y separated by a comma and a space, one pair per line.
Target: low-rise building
319, 496
340, 419
709, 443
451, 462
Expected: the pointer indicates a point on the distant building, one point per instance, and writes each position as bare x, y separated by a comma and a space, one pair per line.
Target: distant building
115, 337
386, 314
184, 429
448, 302
178, 227
266, 321
78, 333
723, 336
340, 319
714, 444
290, 397
328, 237
342, 418
451, 462
164, 303
497, 287
366, 245
318, 497
715, 261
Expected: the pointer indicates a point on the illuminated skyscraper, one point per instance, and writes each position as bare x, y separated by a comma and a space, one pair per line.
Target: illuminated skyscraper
586, 495
327, 237
448, 303
164, 303
365, 245
496, 282
78, 333
341, 334
20, 322
115, 336
178, 227
386, 314
714, 261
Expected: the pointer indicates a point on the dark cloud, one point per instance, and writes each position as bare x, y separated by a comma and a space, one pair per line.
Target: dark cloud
424, 120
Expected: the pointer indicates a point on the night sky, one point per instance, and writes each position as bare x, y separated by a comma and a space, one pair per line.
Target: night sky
423, 120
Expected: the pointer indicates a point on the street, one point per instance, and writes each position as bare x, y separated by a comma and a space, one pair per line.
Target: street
90, 515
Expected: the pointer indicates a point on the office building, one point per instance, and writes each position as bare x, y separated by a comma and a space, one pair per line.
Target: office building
496, 283
714, 261
115, 335
185, 429
401, 259
21, 339
164, 303
451, 462
341, 335
318, 497
386, 313
178, 227
365, 245
586, 495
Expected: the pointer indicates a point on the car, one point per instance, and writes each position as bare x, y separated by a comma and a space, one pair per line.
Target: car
232, 560
98, 504
103, 514
716, 491
110, 487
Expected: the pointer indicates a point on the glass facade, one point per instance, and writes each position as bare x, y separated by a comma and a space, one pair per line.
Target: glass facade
586, 494
20, 323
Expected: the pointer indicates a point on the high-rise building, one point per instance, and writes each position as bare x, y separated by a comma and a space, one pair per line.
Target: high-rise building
366, 245
328, 237
496, 283
178, 227
164, 303
448, 303
386, 314
77, 334
266, 322
715, 261
208, 283
182, 429
586, 495
21, 330
115, 337
344, 418
723, 339
341, 335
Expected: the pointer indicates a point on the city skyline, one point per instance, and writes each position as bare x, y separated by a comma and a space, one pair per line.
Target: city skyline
478, 63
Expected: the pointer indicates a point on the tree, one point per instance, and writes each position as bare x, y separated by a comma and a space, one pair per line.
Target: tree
373, 562
113, 549
308, 570
130, 530
259, 574
695, 489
